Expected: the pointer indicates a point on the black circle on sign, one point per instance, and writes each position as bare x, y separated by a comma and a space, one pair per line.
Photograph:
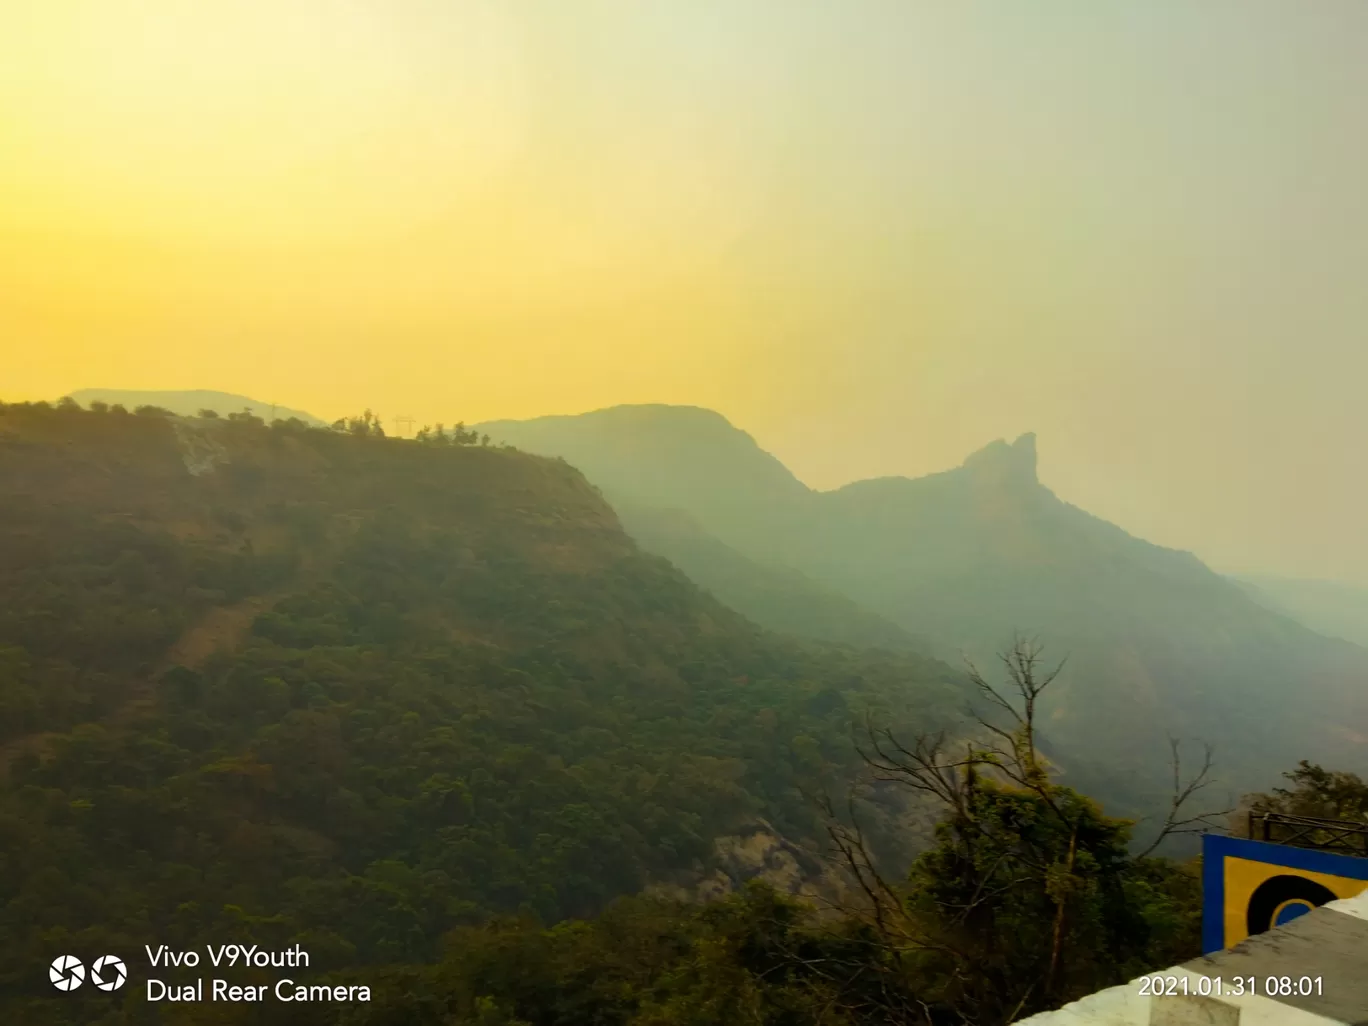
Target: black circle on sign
1277, 890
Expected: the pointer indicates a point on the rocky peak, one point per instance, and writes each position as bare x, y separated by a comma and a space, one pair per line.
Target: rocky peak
1014, 461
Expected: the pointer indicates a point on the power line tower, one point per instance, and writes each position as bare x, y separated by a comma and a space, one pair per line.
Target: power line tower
403, 426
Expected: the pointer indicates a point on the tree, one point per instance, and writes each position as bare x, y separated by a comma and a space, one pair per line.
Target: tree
368, 424
1030, 895
1317, 793
458, 435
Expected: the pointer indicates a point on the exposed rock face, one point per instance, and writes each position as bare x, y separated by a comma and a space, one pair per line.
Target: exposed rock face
900, 824
200, 450
763, 855
758, 853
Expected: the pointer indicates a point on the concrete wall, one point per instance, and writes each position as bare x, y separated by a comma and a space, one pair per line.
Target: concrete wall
1329, 944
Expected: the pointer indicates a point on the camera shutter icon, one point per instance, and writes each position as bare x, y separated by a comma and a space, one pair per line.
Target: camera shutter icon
108, 972
66, 972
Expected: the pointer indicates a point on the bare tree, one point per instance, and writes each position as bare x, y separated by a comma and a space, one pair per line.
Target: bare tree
1003, 755
1175, 822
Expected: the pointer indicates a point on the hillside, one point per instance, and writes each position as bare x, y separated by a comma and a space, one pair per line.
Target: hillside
277, 682
775, 597
188, 403
1334, 608
1158, 644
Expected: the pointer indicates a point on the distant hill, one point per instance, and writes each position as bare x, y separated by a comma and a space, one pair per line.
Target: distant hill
1158, 643
1334, 608
189, 403
278, 682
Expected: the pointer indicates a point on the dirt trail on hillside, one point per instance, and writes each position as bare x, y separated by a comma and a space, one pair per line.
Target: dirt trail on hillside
221, 629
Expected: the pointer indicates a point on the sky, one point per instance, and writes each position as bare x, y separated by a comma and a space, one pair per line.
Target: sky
877, 234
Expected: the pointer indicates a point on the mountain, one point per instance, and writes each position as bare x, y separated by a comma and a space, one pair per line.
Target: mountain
655, 461
669, 457
189, 403
1334, 608
1157, 643
774, 597
274, 682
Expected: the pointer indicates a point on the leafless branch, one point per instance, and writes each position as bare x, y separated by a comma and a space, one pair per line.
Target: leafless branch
1183, 791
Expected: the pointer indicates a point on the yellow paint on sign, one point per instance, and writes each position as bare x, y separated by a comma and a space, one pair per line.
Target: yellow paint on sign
1244, 876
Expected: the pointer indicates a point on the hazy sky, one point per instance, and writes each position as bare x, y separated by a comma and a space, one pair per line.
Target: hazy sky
875, 233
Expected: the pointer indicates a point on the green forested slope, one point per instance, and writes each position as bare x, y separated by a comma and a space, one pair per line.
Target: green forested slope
354, 692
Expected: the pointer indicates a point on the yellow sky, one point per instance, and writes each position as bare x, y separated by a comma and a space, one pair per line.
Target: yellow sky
876, 234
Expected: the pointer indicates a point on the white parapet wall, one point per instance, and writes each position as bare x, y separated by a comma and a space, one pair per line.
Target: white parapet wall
1311, 972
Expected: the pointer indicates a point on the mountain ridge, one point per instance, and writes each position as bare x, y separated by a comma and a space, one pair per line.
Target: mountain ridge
189, 402
1158, 642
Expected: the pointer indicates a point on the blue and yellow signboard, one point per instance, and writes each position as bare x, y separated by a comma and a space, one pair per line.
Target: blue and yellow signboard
1251, 886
